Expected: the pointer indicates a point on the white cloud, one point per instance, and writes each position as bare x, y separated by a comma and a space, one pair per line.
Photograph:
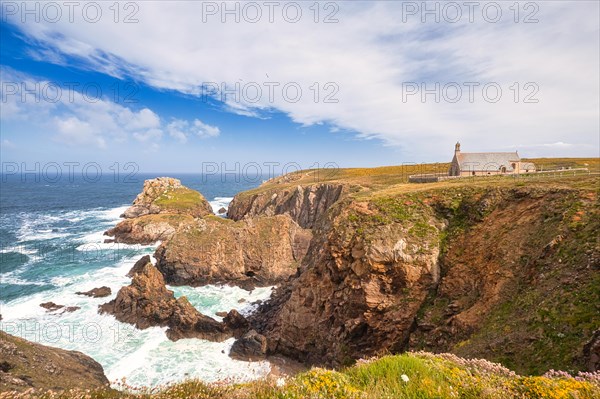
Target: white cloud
77, 120
7, 144
182, 129
369, 54
73, 131
177, 128
203, 130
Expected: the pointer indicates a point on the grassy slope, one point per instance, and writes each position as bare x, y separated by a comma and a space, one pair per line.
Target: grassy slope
407, 376
394, 179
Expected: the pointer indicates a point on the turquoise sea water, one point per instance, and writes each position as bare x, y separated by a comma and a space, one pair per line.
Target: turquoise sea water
51, 246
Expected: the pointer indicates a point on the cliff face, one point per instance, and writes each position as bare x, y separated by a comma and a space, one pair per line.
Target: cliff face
304, 204
259, 251
361, 284
499, 273
25, 365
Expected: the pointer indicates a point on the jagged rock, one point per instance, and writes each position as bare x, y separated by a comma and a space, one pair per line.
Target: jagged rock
222, 211
27, 365
250, 347
51, 306
249, 253
187, 322
304, 204
221, 314
139, 265
236, 323
147, 302
100, 292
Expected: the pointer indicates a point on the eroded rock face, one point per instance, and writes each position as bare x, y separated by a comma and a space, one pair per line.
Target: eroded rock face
254, 252
147, 302
358, 293
304, 204
148, 229
26, 365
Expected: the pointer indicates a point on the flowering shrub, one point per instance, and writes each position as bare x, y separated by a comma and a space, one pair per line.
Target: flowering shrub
322, 384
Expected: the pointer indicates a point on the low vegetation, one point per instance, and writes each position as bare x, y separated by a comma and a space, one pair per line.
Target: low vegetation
180, 200
417, 375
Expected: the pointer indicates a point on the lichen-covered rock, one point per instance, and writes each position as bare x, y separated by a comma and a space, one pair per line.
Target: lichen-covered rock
158, 211
25, 365
252, 252
168, 195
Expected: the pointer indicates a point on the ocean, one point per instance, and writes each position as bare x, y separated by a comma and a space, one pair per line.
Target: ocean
52, 245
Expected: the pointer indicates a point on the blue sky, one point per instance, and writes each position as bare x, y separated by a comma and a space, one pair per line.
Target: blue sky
374, 60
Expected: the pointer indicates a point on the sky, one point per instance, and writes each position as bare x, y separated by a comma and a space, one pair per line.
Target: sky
179, 86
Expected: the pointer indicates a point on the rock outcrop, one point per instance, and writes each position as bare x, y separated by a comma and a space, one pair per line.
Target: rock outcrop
158, 211
99, 292
304, 204
253, 252
139, 265
167, 195
252, 346
52, 307
147, 302
25, 365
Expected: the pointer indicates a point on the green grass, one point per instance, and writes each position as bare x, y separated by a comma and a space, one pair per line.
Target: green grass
179, 199
408, 376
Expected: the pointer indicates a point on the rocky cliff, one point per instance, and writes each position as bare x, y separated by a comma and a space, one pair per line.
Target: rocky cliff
25, 365
510, 274
256, 251
304, 204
